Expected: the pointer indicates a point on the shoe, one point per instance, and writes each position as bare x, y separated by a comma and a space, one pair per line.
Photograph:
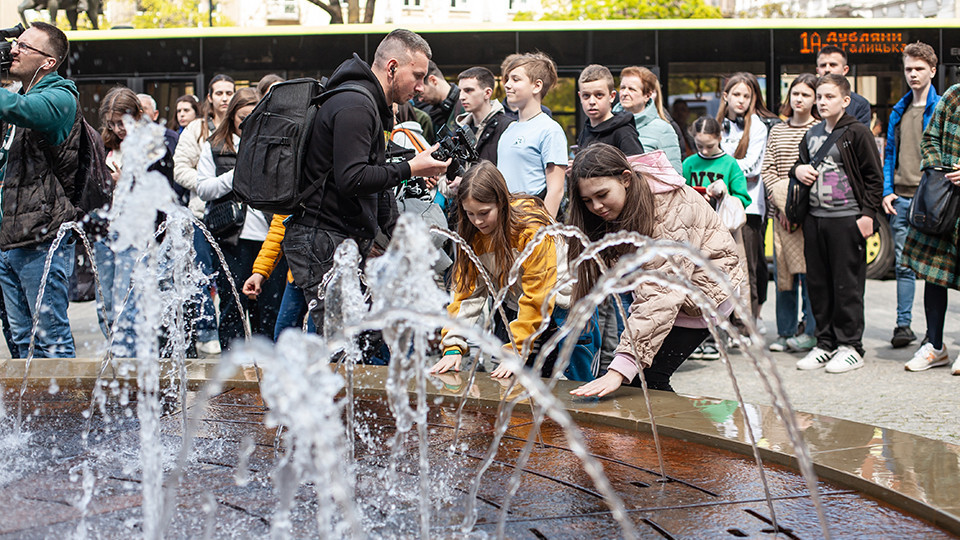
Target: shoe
902, 336
955, 368
815, 359
710, 352
209, 347
801, 343
780, 345
927, 357
844, 360
697, 354
761, 327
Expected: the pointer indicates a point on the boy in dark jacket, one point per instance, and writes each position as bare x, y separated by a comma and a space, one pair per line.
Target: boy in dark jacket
845, 199
596, 98
483, 115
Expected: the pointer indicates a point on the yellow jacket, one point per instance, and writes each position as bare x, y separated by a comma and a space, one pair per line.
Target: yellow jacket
539, 275
271, 250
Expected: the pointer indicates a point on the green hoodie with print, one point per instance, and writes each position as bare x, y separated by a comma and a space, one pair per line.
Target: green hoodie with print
703, 171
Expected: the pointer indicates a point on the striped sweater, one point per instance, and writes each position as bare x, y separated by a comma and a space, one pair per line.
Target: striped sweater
783, 149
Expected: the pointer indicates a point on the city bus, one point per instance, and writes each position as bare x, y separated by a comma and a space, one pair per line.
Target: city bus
691, 57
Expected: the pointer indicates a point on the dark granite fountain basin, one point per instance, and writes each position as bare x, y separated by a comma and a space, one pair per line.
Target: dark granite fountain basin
874, 482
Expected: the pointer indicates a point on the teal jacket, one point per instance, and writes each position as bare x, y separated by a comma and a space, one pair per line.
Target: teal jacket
49, 107
656, 133
40, 159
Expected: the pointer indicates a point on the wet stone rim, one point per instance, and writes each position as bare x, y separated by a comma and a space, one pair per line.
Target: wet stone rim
677, 417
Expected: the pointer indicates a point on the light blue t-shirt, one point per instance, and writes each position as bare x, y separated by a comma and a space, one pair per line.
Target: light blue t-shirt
526, 148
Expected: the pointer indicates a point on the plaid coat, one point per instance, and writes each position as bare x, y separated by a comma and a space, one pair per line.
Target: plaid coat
937, 258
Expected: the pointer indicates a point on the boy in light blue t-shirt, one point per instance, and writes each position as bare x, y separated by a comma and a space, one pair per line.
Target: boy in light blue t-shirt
532, 152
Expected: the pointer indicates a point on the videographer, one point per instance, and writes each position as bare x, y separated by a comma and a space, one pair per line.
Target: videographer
41, 127
346, 150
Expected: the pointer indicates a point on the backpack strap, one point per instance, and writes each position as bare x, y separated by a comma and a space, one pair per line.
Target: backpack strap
411, 136
320, 100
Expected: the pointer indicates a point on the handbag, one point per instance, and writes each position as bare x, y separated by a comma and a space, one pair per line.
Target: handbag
798, 193
224, 217
936, 205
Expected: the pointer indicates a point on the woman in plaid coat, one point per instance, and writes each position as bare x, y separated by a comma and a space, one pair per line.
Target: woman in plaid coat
936, 259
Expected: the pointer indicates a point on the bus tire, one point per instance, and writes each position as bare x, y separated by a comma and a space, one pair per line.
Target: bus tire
880, 252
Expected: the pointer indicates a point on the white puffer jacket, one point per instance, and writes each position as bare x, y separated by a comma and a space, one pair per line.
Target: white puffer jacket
185, 160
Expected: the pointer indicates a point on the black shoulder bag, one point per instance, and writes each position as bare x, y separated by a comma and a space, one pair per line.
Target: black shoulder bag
798, 193
936, 205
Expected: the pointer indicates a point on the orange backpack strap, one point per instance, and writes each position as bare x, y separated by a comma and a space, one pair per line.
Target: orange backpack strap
412, 137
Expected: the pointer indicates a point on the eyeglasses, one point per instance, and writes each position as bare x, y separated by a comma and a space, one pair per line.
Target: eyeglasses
21, 45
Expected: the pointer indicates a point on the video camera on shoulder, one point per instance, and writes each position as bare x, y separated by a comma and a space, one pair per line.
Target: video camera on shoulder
460, 147
6, 56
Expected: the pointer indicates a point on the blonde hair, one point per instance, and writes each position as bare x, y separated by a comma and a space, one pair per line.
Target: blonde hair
538, 67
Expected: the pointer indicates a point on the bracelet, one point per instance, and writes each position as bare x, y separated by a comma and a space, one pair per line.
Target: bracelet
452, 351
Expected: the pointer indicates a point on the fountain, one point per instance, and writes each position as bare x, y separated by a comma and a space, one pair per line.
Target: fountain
297, 439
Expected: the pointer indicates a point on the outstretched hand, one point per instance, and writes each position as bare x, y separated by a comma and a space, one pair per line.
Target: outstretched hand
446, 363
601, 386
501, 372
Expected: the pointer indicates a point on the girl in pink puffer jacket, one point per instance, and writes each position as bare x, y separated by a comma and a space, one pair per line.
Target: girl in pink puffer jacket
664, 325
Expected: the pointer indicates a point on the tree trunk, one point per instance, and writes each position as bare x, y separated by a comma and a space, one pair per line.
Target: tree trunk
332, 8
353, 11
368, 11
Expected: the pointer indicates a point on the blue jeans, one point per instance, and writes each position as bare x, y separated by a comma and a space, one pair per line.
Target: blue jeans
788, 308
906, 279
293, 307
21, 271
116, 271
206, 324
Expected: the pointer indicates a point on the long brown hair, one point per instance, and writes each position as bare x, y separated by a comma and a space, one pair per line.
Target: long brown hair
638, 215
228, 127
206, 108
121, 100
808, 79
484, 184
756, 107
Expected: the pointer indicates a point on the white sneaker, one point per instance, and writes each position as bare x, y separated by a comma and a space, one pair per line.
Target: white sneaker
955, 368
927, 357
815, 359
844, 360
209, 347
761, 327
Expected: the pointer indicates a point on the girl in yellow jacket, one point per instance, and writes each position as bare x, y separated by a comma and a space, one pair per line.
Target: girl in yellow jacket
498, 226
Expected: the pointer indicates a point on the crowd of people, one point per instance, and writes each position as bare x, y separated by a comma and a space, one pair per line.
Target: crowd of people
712, 185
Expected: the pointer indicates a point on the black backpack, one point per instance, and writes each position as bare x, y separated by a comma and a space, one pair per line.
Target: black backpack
93, 183
269, 171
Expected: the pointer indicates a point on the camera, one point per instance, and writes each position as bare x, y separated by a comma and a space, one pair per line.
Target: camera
416, 187
6, 57
460, 147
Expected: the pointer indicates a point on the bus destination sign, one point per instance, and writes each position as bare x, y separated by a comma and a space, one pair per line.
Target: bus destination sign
852, 41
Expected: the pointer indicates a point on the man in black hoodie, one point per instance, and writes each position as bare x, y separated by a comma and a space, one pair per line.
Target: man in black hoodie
346, 149
596, 98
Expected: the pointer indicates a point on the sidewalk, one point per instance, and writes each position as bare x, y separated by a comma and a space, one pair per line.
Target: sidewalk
881, 393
